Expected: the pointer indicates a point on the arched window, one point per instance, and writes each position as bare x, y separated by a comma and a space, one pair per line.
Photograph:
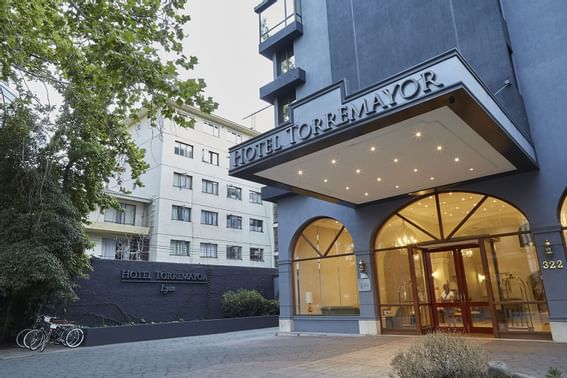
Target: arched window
324, 270
473, 248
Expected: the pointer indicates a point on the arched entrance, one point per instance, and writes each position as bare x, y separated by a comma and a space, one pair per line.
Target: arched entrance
463, 262
324, 270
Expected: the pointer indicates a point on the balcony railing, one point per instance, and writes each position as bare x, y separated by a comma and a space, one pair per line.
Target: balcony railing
276, 15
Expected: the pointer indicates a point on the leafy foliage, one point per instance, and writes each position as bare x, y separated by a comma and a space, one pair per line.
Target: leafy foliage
443, 356
553, 373
105, 58
42, 240
247, 303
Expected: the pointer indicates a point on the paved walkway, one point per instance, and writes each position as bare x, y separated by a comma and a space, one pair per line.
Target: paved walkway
258, 353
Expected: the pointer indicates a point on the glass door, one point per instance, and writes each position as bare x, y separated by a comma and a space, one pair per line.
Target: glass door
458, 286
446, 290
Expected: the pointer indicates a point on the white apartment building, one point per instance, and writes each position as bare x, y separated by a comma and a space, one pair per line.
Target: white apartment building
190, 210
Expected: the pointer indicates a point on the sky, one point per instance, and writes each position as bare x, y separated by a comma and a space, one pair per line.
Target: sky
223, 35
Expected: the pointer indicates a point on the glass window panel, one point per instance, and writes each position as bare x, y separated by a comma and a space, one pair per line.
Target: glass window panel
492, 218
425, 312
398, 317
474, 275
129, 214
420, 278
481, 317
326, 286
394, 278
455, 207
444, 275
523, 317
424, 214
303, 250
398, 233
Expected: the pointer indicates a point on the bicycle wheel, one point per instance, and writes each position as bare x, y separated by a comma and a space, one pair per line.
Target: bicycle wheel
74, 338
34, 339
20, 337
46, 340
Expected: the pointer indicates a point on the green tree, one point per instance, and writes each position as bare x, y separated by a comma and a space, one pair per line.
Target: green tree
105, 60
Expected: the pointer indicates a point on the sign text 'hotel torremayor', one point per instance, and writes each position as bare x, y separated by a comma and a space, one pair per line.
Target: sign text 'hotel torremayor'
160, 276
370, 104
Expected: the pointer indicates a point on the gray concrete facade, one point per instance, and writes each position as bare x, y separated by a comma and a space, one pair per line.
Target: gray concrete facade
368, 41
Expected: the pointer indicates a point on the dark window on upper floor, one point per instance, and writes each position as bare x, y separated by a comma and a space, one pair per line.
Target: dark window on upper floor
126, 215
183, 149
285, 60
283, 108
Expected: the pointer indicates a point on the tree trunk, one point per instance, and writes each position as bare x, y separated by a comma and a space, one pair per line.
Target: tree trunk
4, 334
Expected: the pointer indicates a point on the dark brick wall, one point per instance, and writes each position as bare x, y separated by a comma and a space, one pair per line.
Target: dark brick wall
104, 299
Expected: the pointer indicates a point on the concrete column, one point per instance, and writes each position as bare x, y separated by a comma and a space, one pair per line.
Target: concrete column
286, 295
369, 323
554, 279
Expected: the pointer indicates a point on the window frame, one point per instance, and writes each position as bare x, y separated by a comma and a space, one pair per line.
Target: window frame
229, 252
207, 216
254, 227
238, 189
238, 221
254, 194
187, 177
181, 146
214, 185
185, 249
208, 250
260, 253
212, 157
175, 210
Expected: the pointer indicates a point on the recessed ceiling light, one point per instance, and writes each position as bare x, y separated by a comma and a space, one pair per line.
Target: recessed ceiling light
396, 160
471, 169
333, 161
300, 172
432, 178
358, 171
415, 169
456, 160
366, 194
325, 180
418, 134
372, 148
379, 179
347, 188
397, 187
439, 148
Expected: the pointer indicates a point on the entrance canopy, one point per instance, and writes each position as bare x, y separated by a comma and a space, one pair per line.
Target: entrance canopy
434, 125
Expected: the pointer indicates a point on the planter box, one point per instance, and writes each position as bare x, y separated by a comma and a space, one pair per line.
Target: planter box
141, 332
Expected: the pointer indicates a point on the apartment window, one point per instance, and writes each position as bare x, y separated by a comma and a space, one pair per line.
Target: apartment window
233, 192
211, 187
209, 217
209, 250
276, 245
233, 136
183, 149
127, 214
283, 108
233, 252
210, 157
181, 213
256, 225
179, 248
234, 221
255, 197
182, 181
286, 60
256, 254
211, 129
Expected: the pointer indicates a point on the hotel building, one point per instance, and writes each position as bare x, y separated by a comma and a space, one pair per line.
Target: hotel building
418, 165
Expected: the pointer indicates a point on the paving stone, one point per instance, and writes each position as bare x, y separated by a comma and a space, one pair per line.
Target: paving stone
258, 353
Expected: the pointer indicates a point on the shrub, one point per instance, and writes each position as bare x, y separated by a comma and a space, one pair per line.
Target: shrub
443, 356
247, 303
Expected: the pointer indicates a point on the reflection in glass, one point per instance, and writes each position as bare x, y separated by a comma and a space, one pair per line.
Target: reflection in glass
424, 214
455, 207
493, 217
399, 233
398, 317
325, 285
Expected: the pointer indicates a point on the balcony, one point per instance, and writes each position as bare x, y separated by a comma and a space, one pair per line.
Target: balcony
279, 24
282, 85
